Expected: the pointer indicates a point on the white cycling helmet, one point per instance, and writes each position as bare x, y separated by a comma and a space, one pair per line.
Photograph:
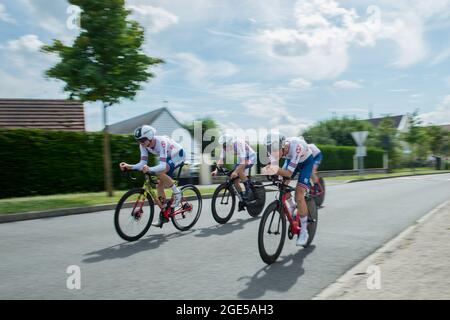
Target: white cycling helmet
226, 139
144, 132
275, 140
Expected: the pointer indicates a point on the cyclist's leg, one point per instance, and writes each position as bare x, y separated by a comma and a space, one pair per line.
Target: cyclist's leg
237, 182
305, 168
317, 161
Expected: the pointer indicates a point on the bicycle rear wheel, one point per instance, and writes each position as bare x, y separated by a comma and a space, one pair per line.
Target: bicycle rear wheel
271, 233
134, 215
222, 203
321, 197
259, 193
187, 213
313, 219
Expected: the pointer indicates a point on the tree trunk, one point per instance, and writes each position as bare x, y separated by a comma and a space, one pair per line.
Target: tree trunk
107, 156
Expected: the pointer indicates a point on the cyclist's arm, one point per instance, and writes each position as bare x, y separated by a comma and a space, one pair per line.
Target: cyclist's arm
162, 165
219, 162
143, 162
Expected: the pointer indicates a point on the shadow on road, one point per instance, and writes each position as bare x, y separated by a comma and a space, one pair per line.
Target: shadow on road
126, 249
280, 276
223, 229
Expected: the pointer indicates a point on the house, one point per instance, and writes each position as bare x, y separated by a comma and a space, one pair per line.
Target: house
165, 124
65, 115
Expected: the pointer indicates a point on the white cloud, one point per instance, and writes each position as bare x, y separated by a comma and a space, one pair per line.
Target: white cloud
23, 69
155, 19
200, 72
238, 91
439, 116
29, 42
272, 108
52, 18
300, 83
346, 84
399, 90
441, 57
318, 46
4, 15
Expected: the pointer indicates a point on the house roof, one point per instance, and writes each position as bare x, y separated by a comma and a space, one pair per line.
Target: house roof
376, 121
47, 114
128, 126
445, 127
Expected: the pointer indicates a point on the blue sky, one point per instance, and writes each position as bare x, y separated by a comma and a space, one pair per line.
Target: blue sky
254, 64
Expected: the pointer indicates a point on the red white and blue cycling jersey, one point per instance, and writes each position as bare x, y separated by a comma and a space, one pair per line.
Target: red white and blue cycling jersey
168, 151
298, 152
243, 151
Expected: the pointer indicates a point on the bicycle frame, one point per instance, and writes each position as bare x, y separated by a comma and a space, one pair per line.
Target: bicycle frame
166, 210
284, 190
230, 183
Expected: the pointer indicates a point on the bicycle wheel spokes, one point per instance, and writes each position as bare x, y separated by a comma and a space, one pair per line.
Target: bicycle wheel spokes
186, 214
223, 203
133, 215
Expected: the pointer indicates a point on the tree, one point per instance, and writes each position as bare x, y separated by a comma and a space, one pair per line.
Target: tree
105, 62
415, 133
336, 131
384, 136
436, 138
207, 123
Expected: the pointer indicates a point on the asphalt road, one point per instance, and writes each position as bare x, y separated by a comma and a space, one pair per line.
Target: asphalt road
210, 261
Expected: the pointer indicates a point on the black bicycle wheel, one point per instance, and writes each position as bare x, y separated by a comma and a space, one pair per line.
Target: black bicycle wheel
134, 215
259, 193
313, 219
320, 198
271, 233
222, 203
191, 207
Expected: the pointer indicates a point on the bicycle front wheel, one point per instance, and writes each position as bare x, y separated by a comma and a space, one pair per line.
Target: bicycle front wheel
271, 233
187, 213
222, 203
134, 215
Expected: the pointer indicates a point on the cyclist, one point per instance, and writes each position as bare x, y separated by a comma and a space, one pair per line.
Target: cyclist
298, 159
171, 155
246, 158
318, 156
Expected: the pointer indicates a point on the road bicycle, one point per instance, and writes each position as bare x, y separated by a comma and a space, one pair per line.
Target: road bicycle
272, 227
135, 210
318, 192
223, 201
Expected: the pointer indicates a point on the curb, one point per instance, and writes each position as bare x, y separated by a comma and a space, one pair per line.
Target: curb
32, 215
406, 175
332, 291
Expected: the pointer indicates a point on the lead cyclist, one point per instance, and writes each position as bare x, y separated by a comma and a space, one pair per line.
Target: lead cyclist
171, 155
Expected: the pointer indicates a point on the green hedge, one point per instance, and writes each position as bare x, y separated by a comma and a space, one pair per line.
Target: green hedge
39, 162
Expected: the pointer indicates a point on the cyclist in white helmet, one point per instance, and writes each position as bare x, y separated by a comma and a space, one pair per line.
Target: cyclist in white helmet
298, 159
171, 155
246, 158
